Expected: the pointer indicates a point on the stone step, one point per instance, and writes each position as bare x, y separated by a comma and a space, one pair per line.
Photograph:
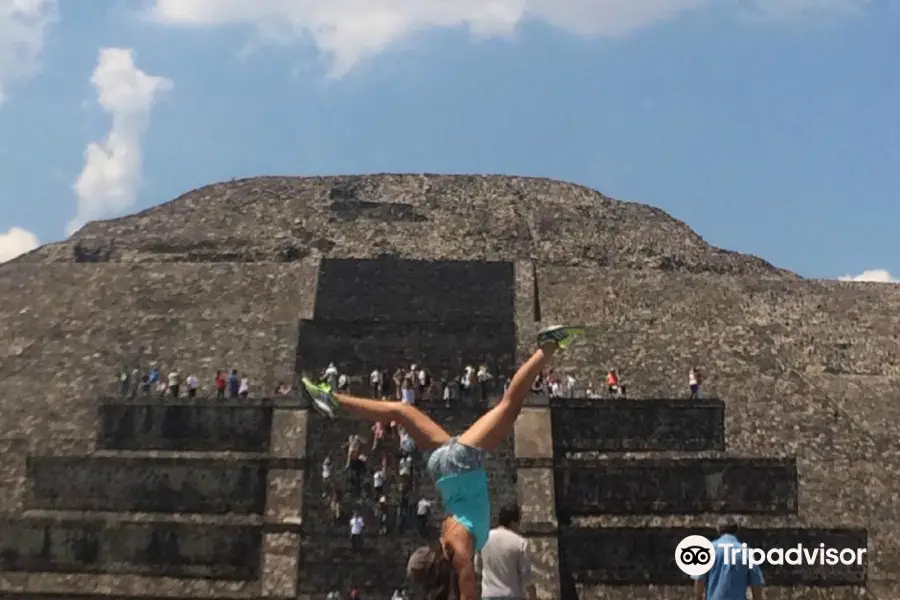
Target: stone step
630, 556
445, 347
114, 586
98, 545
190, 424
137, 596
673, 486
211, 520
200, 457
166, 485
617, 425
329, 562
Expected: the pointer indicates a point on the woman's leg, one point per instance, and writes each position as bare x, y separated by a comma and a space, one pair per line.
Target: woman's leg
497, 424
427, 434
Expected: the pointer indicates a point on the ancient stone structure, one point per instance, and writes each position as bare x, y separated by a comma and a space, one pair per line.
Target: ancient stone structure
275, 275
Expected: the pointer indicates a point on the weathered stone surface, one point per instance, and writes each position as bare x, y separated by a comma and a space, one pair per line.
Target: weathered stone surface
612, 425
284, 497
534, 435
536, 496
281, 553
186, 428
544, 555
644, 555
172, 549
147, 485
289, 431
466, 218
677, 486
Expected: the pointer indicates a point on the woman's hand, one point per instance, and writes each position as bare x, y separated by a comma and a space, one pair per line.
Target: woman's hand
461, 543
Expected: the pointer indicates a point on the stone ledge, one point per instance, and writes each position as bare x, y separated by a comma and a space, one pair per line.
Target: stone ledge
50, 517
295, 401
539, 529
645, 555
149, 459
184, 550
125, 585
160, 458
630, 403
680, 592
676, 486
87, 596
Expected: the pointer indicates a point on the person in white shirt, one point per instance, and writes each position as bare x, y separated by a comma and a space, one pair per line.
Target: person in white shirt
192, 385
504, 563
244, 389
375, 382
356, 528
695, 378
174, 383
331, 375
423, 511
326, 476
378, 481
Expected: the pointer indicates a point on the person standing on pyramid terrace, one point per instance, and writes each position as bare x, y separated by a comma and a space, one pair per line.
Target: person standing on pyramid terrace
457, 465
695, 379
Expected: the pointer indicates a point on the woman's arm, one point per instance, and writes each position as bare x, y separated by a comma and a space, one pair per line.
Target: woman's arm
464, 564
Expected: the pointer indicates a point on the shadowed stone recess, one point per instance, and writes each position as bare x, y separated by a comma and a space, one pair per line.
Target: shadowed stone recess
677, 486
625, 556
147, 485
399, 291
188, 428
613, 425
159, 549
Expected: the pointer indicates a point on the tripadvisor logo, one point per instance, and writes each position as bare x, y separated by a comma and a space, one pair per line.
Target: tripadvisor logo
696, 556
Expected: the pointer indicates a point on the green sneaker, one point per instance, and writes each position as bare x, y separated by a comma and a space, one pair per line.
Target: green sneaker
562, 335
321, 397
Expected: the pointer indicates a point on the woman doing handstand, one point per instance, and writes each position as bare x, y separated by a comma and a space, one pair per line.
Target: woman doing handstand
457, 465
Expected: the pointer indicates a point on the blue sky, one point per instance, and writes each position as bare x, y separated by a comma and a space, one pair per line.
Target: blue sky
769, 126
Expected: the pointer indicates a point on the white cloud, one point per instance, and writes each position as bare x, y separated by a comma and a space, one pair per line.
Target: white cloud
23, 28
876, 275
16, 241
348, 31
112, 170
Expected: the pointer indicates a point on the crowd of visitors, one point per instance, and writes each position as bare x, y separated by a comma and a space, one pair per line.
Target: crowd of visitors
558, 385
226, 383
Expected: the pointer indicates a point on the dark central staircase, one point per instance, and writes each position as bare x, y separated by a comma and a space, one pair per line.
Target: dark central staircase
387, 314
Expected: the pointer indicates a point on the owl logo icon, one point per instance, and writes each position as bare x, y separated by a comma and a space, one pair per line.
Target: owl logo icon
695, 555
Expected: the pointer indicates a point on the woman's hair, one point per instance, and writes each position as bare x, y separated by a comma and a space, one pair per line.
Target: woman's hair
432, 573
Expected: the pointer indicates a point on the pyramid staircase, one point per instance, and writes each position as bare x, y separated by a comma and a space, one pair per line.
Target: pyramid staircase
624, 468
181, 499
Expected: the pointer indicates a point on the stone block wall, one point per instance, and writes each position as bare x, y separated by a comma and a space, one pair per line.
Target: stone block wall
166, 512
415, 291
